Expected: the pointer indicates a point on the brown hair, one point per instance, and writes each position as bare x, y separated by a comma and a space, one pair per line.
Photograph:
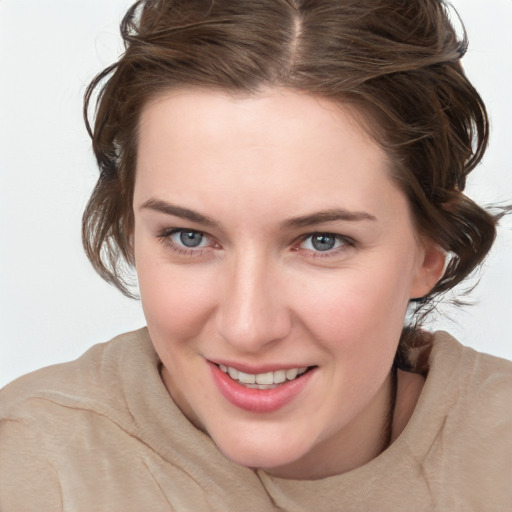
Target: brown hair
398, 60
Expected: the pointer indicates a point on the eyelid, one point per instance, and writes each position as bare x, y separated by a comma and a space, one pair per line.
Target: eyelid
346, 243
165, 237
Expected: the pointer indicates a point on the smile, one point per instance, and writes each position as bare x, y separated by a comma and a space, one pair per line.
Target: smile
249, 392
268, 380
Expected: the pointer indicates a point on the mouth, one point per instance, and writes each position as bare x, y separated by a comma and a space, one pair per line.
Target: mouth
261, 392
267, 380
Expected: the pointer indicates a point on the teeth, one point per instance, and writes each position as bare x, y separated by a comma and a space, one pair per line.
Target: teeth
263, 380
291, 374
279, 376
233, 373
246, 378
260, 386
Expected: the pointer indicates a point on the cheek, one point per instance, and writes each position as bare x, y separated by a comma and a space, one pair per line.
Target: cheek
356, 310
176, 301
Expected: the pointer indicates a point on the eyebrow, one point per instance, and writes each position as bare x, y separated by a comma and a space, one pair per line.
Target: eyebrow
296, 222
326, 216
178, 211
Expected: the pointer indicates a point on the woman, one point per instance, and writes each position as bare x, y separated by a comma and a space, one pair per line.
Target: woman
287, 179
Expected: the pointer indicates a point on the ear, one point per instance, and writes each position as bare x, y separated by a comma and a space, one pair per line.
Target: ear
430, 269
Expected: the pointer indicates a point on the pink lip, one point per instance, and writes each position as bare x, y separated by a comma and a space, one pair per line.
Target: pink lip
258, 400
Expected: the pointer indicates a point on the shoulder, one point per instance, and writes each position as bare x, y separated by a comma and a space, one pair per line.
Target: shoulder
28, 478
53, 400
476, 387
472, 377
471, 392
55, 412
91, 377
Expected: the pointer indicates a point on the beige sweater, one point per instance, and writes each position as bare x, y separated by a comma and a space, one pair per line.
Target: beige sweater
102, 434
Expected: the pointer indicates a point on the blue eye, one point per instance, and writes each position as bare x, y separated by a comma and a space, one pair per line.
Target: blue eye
188, 238
187, 243
323, 242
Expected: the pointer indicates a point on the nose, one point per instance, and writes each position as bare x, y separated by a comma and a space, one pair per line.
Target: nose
252, 313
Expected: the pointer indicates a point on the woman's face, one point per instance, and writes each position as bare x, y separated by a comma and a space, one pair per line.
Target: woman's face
269, 239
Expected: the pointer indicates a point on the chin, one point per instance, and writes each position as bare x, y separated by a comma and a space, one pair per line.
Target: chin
257, 452
263, 460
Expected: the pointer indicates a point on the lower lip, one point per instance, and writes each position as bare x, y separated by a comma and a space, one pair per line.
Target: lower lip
259, 400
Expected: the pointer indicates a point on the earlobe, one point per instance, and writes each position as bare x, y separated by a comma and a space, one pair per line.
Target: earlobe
429, 272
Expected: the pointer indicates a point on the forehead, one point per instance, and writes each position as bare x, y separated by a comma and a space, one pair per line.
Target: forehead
208, 110
278, 144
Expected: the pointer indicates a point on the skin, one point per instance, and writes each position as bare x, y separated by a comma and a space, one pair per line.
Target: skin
256, 291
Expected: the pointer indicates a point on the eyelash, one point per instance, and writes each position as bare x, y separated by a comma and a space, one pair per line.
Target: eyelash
344, 241
165, 236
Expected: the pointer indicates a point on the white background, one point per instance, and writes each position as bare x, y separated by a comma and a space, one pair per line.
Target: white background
52, 304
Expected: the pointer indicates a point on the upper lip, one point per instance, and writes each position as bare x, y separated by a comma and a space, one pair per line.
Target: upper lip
256, 369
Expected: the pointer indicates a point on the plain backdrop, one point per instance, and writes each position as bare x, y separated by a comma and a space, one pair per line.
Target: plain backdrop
52, 304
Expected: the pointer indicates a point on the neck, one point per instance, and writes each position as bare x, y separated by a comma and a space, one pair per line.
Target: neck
409, 388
